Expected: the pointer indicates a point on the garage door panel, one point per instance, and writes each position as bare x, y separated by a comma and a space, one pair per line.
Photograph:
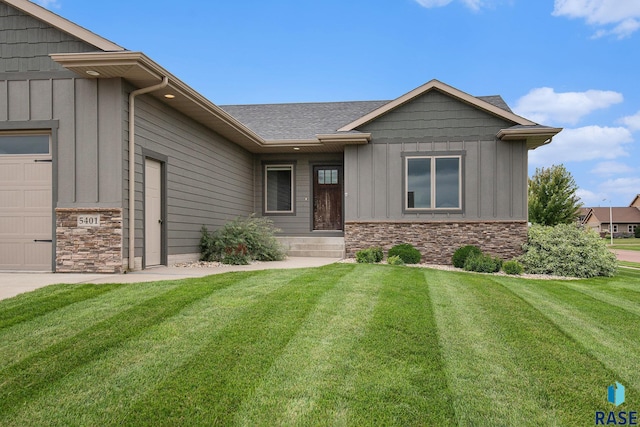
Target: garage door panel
25, 213
10, 199
37, 198
11, 226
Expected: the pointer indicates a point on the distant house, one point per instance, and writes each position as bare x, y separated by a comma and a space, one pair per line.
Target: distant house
109, 162
623, 220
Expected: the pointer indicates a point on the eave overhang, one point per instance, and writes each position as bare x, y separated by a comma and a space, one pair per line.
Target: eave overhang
536, 136
141, 71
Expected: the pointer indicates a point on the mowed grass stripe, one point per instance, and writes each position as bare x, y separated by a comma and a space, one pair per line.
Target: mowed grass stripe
605, 330
24, 308
319, 359
211, 387
29, 337
400, 377
568, 377
127, 372
488, 384
27, 378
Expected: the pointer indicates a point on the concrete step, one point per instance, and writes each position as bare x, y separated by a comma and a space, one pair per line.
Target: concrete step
312, 246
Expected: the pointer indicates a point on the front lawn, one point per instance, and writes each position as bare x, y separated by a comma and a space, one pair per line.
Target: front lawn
630, 244
345, 344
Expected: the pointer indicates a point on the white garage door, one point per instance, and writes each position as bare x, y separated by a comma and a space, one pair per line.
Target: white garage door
25, 203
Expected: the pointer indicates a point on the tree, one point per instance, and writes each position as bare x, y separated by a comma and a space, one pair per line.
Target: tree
552, 197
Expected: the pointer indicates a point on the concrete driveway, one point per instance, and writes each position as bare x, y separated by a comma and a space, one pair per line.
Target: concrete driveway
12, 284
629, 256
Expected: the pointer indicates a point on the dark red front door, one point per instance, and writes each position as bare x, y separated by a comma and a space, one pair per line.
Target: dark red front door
327, 197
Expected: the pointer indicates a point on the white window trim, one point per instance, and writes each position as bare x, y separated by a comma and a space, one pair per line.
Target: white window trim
631, 228
290, 166
433, 183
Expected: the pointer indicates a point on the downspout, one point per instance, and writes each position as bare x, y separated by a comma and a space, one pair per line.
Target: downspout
132, 166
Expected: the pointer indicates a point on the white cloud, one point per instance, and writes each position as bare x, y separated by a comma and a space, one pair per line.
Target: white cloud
581, 144
632, 122
589, 198
49, 4
611, 168
623, 15
623, 186
544, 105
471, 4
433, 3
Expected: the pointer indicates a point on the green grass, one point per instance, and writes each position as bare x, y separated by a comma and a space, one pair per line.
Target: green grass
629, 264
630, 244
344, 344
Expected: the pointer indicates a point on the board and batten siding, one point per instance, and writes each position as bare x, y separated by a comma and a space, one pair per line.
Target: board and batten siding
494, 172
300, 223
209, 179
27, 42
88, 153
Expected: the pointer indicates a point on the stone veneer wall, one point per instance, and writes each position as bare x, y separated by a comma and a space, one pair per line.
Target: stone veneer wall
89, 249
438, 240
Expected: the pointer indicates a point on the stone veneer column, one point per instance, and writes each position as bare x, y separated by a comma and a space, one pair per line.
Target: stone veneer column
437, 241
89, 249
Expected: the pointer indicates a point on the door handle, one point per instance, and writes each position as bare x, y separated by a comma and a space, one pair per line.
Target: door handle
159, 221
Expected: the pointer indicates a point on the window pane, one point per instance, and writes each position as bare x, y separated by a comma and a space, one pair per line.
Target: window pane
24, 144
448, 183
320, 177
419, 183
334, 176
279, 189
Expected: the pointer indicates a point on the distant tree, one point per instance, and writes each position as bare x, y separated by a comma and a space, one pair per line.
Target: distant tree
552, 197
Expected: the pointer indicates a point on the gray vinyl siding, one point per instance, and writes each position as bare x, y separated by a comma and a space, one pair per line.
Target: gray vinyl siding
89, 114
494, 173
300, 223
25, 43
209, 179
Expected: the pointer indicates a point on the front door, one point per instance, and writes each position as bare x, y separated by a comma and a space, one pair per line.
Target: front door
153, 212
327, 198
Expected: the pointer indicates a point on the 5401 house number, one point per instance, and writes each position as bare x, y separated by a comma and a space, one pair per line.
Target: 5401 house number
88, 220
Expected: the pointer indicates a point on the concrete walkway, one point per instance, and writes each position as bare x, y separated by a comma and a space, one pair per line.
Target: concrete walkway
12, 284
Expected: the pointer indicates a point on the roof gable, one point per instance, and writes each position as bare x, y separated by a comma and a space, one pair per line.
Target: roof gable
618, 215
479, 103
63, 24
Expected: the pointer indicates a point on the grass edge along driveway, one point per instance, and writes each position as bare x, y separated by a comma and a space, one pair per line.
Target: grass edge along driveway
343, 344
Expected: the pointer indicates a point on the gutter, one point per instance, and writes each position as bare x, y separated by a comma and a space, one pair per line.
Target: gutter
132, 166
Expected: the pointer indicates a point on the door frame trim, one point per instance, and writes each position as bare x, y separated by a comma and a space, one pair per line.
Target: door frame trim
312, 182
163, 160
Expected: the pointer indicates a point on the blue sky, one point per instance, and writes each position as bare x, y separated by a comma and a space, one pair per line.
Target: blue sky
568, 63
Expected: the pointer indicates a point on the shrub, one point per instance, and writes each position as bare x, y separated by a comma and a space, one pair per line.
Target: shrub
461, 254
241, 241
483, 263
512, 267
395, 260
407, 253
637, 233
369, 256
567, 250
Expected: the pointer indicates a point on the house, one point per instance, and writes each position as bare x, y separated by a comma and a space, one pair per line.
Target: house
623, 220
109, 162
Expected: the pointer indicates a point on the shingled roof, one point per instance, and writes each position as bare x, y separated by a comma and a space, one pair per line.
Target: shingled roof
620, 215
300, 121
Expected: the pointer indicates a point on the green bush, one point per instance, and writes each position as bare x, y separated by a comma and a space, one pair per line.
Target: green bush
637, 233
369, 256
395, 260
512, 267
240, 241
406, 252
461, 254
567, 250
483, 263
